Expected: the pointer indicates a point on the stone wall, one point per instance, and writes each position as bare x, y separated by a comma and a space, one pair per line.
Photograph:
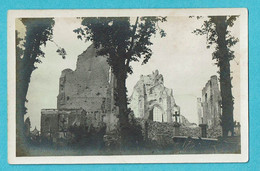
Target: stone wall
214, 132
87, 87
190, 132
162, 133
209, 109
97, 118
55, 123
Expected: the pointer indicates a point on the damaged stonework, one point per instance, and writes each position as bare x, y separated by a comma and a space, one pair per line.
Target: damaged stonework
88, 86
209, 106
55, 123
162, 133
152, 100
89, 89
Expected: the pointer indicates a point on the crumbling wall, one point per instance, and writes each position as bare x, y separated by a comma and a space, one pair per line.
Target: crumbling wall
88, 86
163, 133
88, 89
55, 123
152, 100
209, 109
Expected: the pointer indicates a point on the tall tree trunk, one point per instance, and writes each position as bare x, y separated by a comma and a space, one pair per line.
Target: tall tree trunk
227, 99
121, 101
227, 121
24, 69
22, 84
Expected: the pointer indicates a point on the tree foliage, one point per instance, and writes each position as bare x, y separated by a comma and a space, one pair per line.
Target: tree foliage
38, 32
120, 40
209, 29
219, 37
28, 54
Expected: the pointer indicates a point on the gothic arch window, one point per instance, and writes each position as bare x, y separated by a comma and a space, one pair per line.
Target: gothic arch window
157, 114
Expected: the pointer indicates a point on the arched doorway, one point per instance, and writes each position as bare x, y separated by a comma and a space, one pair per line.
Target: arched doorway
156, 114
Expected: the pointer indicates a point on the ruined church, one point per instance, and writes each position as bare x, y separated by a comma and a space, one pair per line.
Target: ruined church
85, 97
209, 105
152, 100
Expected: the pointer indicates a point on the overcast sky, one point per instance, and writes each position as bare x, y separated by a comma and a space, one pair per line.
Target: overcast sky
181, 57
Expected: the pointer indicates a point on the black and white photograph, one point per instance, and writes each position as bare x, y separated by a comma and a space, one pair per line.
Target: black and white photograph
127, 86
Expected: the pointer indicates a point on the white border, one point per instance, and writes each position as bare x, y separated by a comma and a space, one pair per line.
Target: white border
197, 158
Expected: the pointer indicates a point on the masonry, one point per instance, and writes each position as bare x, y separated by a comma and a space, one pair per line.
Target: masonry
209, 109
86, 93
55, 123
161, 133
152, 100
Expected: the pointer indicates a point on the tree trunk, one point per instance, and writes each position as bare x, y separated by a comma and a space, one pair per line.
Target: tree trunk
227, 121
21, 90
24, 69
121, 101
23, 75
227, 99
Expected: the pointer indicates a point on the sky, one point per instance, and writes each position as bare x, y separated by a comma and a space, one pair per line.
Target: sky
181, 57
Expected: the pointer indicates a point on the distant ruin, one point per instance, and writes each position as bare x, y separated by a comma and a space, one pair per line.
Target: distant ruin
86, 96
152, 100
209, 109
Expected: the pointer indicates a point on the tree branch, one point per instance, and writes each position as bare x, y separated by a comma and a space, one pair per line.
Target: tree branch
129, 54
230, 20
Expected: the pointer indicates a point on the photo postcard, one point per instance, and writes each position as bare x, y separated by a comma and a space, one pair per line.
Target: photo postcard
127, 86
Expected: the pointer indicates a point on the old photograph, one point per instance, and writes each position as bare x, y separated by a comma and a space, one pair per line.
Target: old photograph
127, 86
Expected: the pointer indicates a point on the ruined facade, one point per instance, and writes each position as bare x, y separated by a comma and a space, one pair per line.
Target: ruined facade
87, 87
209, 109
152, 100
85, 96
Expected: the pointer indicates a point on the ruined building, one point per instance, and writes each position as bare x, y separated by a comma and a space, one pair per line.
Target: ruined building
209, 109
55, 123
152, 100
87, 87
85, 96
